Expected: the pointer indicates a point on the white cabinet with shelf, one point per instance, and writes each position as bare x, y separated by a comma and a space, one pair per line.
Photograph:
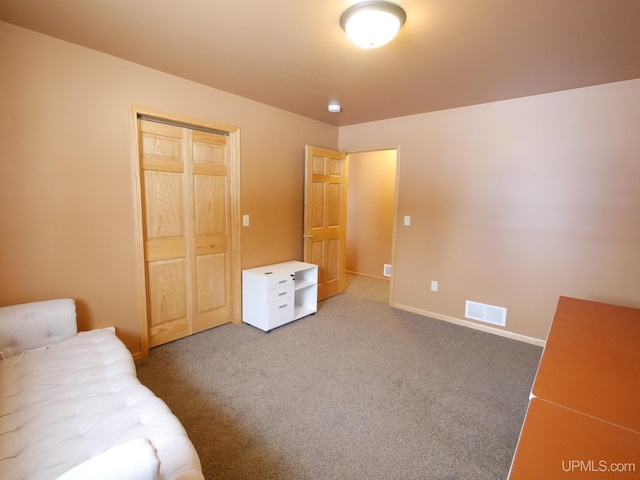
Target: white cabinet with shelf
277, 294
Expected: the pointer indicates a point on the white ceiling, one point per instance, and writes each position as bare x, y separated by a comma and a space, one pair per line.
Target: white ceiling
292, 54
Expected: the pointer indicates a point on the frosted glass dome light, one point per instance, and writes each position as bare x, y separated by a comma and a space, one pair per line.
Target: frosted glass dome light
372, 24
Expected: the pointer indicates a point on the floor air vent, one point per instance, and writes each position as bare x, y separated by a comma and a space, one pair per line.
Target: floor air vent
486, 313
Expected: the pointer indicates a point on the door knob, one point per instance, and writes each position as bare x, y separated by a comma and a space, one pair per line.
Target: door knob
308, 236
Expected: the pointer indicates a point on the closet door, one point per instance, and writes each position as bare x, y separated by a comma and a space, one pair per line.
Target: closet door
212, 224
185, 202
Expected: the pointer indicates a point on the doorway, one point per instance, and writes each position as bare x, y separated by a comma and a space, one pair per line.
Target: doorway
371, 212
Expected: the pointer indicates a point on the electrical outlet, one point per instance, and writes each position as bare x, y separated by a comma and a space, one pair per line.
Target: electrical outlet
434, 285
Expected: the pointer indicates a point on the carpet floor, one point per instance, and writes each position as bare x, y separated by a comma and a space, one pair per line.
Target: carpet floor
357, 391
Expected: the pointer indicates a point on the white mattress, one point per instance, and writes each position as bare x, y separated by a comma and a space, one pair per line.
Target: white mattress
76, 399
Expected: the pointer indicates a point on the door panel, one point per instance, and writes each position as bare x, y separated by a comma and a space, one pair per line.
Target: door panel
211, 205
334, 206
210, 267
167, 299
160, 141
163, 200
211, 291
317, 205
315, 255
211, 200
325, 215
166, 246
333, 260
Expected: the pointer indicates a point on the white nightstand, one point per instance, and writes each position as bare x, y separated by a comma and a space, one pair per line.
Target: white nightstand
274, 295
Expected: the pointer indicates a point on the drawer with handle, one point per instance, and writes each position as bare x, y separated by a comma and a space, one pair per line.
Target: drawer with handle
280, 312
280, 292
278, 281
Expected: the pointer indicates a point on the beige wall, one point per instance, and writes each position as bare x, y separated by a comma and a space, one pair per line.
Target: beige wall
512, 203
66, 201
370, 212
515, 203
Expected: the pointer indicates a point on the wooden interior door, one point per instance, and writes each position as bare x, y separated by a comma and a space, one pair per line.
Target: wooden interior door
325, 217
185, 190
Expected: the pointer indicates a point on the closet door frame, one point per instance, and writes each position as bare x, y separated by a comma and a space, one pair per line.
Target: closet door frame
233, 134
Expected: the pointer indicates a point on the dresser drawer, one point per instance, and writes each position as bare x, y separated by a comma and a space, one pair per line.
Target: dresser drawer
280, 312
280, 292
277, 281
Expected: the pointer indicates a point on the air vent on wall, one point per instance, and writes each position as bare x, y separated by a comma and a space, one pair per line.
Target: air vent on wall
486, 313
387, 270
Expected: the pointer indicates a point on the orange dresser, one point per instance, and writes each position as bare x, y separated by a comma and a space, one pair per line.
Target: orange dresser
583, 419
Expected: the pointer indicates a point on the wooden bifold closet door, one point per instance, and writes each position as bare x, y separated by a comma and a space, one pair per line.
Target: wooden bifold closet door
185, 185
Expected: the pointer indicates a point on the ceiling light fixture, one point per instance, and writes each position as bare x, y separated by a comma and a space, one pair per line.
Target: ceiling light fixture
335, 107
372, 24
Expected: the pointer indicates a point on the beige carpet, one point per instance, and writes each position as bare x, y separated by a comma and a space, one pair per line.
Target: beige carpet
357, 391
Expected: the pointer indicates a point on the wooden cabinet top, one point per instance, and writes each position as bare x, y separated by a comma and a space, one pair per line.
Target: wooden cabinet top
591, 362
559, 443
583, 419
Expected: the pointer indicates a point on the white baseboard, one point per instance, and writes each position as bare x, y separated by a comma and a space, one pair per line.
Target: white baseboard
386, 279
475, 326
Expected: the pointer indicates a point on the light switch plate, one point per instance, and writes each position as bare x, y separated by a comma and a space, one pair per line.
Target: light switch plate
407, 220
245, 220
